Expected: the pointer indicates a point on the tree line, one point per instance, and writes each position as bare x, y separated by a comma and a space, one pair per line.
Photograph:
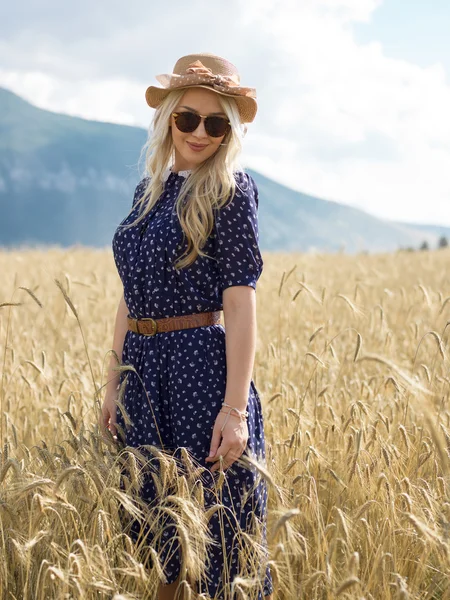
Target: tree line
442, 243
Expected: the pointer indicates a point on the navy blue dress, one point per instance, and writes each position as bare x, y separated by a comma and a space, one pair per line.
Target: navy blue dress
183, 372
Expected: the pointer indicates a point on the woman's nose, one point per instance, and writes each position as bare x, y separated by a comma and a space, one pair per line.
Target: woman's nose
200, 132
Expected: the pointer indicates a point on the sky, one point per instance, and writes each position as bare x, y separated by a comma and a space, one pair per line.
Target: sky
353, 95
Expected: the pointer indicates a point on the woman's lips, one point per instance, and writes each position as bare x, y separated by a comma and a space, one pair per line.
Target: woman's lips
196, 147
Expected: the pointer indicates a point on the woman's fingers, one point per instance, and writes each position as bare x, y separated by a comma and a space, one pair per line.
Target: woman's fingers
112, 422
222, 450
216, 466
108, 420
229, 457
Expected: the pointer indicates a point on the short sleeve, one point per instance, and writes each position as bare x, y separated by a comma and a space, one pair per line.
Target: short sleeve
237, 236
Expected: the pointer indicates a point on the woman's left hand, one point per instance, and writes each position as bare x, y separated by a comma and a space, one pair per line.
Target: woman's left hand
234, 440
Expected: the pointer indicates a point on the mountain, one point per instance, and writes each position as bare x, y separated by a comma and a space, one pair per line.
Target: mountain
438, 230
66, 180
290, 220
63, 180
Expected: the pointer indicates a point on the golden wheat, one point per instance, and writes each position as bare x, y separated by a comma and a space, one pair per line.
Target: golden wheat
353, 373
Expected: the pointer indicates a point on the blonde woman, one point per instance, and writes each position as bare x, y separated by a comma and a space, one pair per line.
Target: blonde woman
187, 251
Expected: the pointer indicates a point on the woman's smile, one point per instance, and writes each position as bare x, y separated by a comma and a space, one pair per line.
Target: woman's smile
197, 147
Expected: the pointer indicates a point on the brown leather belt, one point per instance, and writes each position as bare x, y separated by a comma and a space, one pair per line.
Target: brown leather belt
149, 326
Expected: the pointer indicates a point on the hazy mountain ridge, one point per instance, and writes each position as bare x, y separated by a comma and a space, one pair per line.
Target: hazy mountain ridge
438, 230
63, 180
291, 220
66, 180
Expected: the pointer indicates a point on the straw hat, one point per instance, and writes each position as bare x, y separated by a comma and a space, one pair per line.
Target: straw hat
208, 71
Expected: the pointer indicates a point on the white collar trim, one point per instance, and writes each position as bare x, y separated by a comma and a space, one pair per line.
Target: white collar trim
168, 172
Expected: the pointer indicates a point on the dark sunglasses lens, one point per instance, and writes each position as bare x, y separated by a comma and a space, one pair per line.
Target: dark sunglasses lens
216, 126
187, 122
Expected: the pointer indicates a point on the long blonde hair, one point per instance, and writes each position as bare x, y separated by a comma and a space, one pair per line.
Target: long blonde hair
207, 188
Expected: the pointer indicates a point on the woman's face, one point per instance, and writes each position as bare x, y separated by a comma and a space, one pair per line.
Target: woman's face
191, 149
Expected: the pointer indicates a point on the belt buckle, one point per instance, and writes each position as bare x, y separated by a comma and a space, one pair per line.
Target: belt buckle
155, 326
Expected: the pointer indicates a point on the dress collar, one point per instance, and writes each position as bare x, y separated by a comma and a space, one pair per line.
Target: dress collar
169, 172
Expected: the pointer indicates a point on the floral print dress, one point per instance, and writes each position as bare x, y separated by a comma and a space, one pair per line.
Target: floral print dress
182, 374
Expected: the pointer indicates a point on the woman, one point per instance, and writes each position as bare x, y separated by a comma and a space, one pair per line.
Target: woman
188, 250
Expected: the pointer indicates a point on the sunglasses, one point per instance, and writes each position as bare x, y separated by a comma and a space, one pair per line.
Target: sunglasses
187, 122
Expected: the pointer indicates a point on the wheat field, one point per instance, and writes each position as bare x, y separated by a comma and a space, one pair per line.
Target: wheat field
353, 373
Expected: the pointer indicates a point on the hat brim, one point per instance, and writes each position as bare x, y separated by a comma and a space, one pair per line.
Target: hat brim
247, 106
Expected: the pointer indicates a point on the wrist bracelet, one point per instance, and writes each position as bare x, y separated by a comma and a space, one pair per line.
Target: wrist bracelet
241, 417
241, 414
229, 413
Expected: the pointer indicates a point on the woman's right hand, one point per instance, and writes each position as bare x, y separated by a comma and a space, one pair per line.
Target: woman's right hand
108, 417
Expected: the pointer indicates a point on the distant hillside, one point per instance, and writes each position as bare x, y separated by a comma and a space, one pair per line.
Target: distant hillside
437, 230
66, 180
63, 180
294, 221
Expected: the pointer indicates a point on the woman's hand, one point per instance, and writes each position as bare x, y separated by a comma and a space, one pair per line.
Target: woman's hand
234, 440
108, 417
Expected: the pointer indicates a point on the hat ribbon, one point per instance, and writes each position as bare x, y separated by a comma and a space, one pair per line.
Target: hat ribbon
197, 74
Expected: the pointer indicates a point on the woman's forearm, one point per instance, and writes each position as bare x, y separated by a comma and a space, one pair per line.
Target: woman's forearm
120, 330
239, 305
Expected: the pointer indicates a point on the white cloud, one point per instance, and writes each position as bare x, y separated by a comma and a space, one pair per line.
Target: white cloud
336, 119
111, 100
334, 95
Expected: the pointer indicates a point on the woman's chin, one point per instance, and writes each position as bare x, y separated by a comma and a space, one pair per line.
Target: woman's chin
192, 162
190, 159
